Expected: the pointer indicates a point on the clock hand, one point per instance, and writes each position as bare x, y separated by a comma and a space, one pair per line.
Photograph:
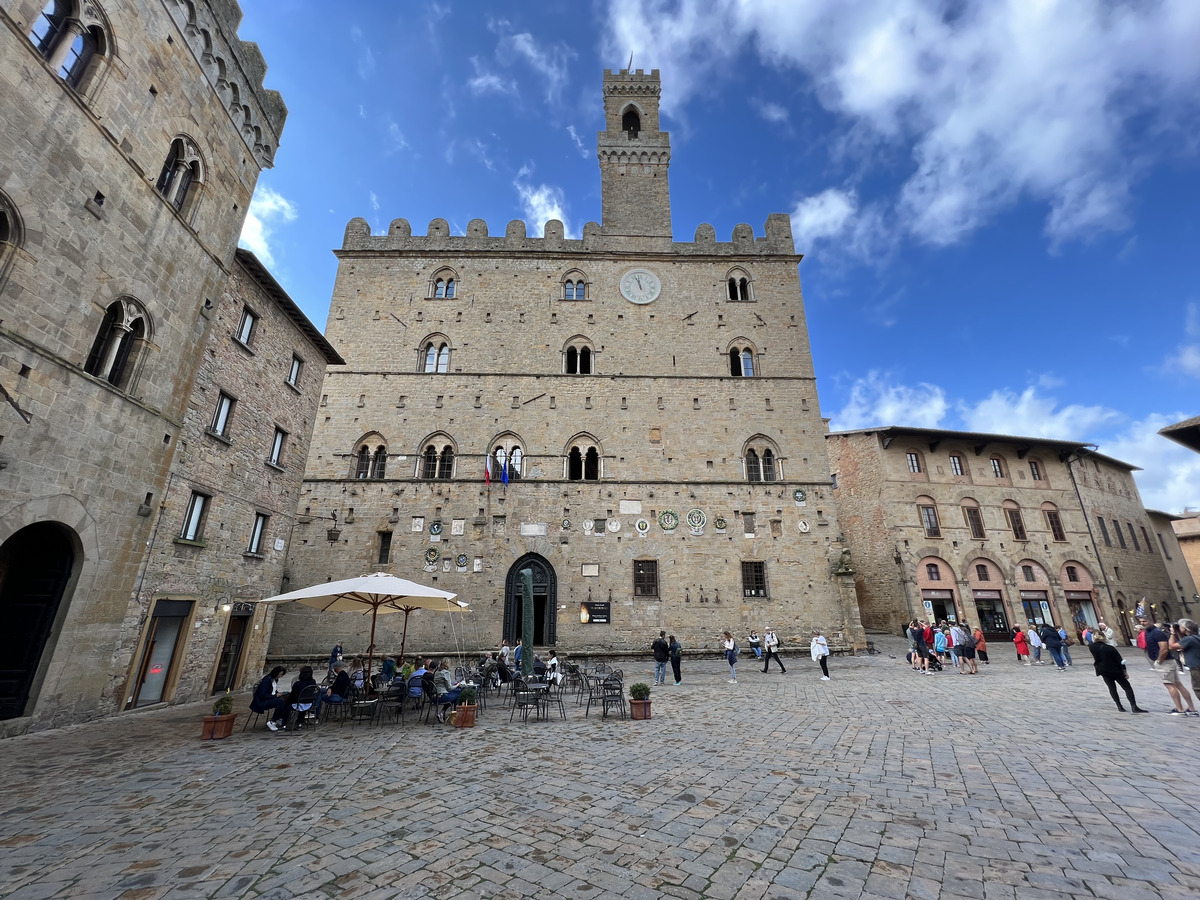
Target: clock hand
638, 279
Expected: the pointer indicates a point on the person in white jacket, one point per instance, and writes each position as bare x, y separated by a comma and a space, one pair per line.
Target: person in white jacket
819, 648
1035, 644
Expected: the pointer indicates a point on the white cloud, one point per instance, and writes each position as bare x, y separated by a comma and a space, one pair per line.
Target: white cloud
366, 57
396, 137
583, 151
1170, 479
995, 102
267, 210
540, 203
374, 201
1029, 415
833, 217
771, 112
479, 150
1187, 359
876, 400
487, 82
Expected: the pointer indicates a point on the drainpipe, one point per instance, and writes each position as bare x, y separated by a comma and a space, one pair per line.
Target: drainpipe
1087, 520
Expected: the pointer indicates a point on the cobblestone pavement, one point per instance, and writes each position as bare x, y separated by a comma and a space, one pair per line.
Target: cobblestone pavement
1018, 783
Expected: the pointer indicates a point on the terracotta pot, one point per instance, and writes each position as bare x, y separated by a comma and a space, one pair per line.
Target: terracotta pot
464, 716
639, 709
217, 727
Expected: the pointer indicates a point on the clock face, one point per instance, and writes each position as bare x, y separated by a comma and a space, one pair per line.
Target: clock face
640, 286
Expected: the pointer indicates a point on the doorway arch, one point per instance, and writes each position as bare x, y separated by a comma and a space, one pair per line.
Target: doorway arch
35, 568
545, 600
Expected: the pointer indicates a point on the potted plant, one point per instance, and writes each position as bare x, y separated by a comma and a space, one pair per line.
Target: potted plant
639, 700
464, 713
220, 724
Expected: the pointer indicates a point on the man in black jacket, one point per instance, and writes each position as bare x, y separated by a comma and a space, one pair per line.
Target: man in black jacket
1053, 641
662, 655
1111, 667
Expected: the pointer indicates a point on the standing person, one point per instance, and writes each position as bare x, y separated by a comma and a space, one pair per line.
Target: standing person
662, 654
1111, 667
1053, 642
1107, 632
755, 643
517, 651
1022, 644
676, 651
267, 700
505, 651
335, 656
920, 649
1187, 642
1067, 641
818, 648
980, 645
771, 641
731, 654
961, 632
1158, 652
911, 633
940, 644
1035, 644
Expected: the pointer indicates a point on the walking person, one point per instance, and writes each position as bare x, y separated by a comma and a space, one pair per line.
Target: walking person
771, 643
980, 645
1067, 641
1053, 642
1158, 652
731, 654
818, 648
1187, 642
1022, 644
335, 657
662, 654
1035, 644
676, 651
1111, 667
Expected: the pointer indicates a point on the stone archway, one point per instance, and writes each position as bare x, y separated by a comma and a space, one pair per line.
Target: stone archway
35, 567
545, 600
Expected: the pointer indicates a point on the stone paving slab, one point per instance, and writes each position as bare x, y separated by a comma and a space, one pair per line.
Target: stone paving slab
1018, 783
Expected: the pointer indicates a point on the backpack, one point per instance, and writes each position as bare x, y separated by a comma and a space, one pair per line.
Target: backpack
737, 651
1141, 641
968, 642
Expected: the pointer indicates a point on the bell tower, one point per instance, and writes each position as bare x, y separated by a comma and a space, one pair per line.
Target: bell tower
634, 157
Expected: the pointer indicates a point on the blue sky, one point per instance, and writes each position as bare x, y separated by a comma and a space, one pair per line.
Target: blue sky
998, 203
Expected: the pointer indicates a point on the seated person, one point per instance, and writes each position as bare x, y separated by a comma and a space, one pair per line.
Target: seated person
267, 700
356, 672
293, 698
340, 690
447, 688
539, 668
502, 669
388, 671
414, 681
555, 672
489, 671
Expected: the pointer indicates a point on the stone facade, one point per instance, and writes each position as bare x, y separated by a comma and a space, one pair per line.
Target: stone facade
1186, 531
599, 369
244, 392
946, 524
135, 133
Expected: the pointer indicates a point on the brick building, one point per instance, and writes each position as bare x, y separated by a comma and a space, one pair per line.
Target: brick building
998, 529
1175, 558
633, 418
134, 136
221, 532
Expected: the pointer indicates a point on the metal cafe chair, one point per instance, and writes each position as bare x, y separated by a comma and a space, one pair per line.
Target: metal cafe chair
612, 693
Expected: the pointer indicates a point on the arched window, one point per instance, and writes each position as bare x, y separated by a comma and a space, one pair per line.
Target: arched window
741, 361
70, 43
999, 469
446, 463
583, 460
506, 459
574, 285
181, 176
437, 464
363, 469
974, 519
631, 123
762, 463
1016, 521
927, 509
578, 357
1054, 521
11, 236
379, 463
435, 356
115, 351
429, 463
737, 286
442, 285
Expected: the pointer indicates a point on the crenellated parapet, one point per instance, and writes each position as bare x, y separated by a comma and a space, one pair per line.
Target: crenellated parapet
776, 239
235, 69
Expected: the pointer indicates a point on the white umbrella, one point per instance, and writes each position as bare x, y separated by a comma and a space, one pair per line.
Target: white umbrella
378, 592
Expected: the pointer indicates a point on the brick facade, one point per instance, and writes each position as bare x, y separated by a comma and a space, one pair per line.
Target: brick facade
103, 286
670, 425
906, 498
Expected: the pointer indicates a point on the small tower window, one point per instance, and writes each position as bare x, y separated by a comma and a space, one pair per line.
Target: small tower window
631, 123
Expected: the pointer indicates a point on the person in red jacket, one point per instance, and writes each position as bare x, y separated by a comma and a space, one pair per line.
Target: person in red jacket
1022, 643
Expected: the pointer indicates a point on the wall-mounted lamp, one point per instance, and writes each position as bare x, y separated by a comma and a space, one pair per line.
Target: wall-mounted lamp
226, 606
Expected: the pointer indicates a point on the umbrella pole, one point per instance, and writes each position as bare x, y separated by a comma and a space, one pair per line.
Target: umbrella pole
371, 649
404, 636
